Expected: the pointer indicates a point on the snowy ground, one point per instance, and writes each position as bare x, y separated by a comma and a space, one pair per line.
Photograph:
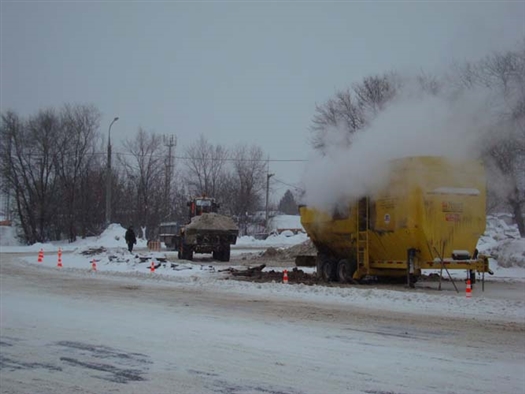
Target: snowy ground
67, 331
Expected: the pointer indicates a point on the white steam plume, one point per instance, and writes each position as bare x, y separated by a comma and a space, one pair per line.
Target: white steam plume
412, 125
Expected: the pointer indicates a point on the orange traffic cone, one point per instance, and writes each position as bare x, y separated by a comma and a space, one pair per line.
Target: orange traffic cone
59, 264
468, 289
152, 267
285, 276
41, 256
94, 265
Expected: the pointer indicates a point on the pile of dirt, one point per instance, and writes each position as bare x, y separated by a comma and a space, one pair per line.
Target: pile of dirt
306, 248
294, 276
257, 274
212, 221
94, 251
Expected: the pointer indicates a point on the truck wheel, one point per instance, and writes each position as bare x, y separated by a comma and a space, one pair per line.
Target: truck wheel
346, 270
216, 255
187, 253
328, 270
226, 253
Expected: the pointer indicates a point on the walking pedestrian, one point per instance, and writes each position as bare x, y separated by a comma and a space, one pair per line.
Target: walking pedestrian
131, 239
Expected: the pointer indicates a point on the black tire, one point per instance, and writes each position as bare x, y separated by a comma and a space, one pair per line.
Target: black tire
225, 253
319, 265
328, 271
179, 255
216, 255
346, 270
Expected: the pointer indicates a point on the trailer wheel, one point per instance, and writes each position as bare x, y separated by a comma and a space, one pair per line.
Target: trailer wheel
328, 270
187, 253
225, 254
346, 270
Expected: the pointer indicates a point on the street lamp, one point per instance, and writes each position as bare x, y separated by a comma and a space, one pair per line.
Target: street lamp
268, 176
108, 176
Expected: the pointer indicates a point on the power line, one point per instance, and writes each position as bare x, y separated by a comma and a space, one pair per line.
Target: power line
216, 159
288, 184
192, 158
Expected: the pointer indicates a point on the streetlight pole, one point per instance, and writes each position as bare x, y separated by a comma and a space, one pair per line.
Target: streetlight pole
108, 176
268, 176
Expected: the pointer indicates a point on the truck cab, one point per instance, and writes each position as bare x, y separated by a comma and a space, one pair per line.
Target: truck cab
201, 205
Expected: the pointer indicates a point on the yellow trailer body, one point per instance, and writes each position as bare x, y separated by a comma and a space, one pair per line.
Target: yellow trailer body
430, 214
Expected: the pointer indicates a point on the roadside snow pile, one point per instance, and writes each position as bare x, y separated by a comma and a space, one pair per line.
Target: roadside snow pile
502, 242
113, 236
286, 222
275, 240
509, 253
8, 236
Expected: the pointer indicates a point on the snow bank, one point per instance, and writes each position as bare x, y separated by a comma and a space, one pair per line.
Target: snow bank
285, 221
287, 238
502, 242
112, 237
8, 236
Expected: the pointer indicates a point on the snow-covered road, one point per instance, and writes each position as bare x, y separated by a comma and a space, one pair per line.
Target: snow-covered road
70, 332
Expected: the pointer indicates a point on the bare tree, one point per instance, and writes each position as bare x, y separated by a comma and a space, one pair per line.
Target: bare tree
353, 109
206, 166
29, 153
504, 75
74, 160
429, 83
343, 111
249, 180
374, 92
144, 170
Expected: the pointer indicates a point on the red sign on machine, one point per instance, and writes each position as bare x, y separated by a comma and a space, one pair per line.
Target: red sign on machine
452, 217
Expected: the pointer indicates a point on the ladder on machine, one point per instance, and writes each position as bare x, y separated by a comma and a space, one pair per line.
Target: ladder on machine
362, 232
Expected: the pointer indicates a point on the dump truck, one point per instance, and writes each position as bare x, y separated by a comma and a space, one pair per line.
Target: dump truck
207, 231
169, 234
430, 214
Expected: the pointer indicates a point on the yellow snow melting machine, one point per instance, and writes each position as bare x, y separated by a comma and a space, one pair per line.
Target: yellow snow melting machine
430, 215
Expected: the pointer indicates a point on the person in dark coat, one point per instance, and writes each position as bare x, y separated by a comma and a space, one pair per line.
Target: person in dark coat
131, 239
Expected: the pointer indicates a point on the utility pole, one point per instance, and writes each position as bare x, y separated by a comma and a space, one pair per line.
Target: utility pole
268, 176
170, 142
7, 209
108, 176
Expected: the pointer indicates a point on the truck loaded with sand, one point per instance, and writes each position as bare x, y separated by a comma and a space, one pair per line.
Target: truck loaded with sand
207, 232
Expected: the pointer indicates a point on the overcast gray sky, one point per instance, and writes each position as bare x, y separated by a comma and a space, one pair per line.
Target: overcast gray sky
247, 72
